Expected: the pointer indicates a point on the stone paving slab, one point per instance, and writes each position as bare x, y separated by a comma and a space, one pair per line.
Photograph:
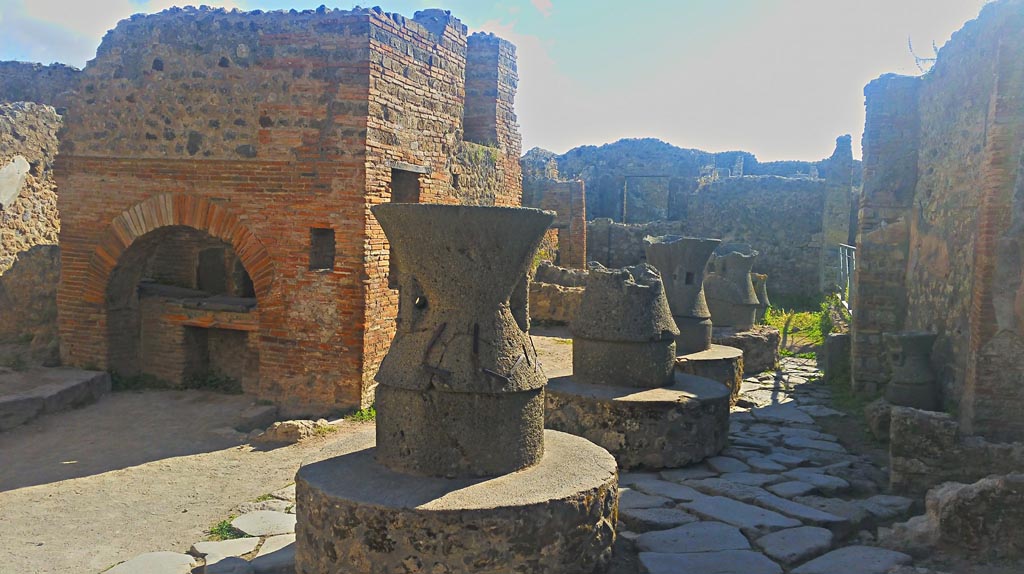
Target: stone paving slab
787, 413
791, 489
265, 523
25, 395
764, 499
696, 537
629, 498
691, 472
667, 489
276, 556
855, 560
725, 562
647, 519
726, 464
227, 565
796, 544
825, 483
752, 520
225, 548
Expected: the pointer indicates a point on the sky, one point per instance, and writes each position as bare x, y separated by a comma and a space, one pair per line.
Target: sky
778, 78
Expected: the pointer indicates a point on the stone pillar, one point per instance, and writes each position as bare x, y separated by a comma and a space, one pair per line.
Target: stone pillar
682, 261
460, 393
731, 296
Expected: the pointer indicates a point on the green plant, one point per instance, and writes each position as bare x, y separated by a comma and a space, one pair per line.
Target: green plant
224, 531
324, 429
363, 415
264, 498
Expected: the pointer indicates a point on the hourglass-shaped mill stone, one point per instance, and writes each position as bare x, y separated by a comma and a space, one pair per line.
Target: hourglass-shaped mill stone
461, 392
624, 333
911, 379
463, 479
682, 262
730, 292
625, 394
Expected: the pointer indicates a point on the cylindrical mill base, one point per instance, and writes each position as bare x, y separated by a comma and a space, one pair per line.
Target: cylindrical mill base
437, 433
358, 517
719, 363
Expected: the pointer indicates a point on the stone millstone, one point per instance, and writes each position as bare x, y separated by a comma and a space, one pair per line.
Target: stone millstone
731, 296
682, 261
649, 428
624, 334
359, 517
718, 363
461, 390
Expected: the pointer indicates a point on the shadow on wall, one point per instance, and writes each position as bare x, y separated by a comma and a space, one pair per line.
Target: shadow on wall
28, 303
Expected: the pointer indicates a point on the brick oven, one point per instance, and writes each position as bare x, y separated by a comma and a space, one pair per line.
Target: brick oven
216, 174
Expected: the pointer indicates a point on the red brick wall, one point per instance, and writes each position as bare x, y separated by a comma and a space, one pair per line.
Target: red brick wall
568, 200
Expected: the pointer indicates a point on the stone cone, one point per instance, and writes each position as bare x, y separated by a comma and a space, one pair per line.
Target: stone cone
461, 392
682, 262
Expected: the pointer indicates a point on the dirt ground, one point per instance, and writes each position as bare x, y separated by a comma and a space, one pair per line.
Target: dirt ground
135, 472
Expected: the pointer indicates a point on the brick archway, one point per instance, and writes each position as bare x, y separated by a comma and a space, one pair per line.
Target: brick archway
170, 210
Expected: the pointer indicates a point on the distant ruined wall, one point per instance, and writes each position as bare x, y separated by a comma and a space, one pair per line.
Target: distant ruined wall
52, 85
941, 219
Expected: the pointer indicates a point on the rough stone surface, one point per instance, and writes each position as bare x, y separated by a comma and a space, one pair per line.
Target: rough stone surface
225, 548
554, 304
796, 544
725, 562
696, 537
227, 565
286, 432
719, 363
276, 556
27, 394
731, 296
356, 515
760, 346
682, 261
752, 520
860, 559
265, 523
645, 519
156, 563
649, 428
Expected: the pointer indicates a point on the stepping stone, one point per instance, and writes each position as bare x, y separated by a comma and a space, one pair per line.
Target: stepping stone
855, 560
225, 548
752, 478
762, 498
765, 464
791, 488
156, 563
787, 413
750, 519
645, 519
276, 556
825, 483
265, 523
801, 442
725, 562
629, 498
696, 537
227, 565
286, 493
796, 544
727, 464
655, 487
689, 473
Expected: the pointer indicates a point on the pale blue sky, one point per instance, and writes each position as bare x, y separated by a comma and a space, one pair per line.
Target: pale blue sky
779, 78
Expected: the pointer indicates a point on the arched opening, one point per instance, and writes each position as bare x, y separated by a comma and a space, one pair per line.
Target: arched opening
182, 310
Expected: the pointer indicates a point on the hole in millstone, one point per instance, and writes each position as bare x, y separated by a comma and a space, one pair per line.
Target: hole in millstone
689, 277
420, 302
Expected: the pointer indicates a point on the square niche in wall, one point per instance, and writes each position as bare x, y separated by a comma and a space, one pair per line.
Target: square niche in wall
321, 249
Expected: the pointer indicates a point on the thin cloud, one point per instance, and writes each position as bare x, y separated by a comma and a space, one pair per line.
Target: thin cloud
543, 6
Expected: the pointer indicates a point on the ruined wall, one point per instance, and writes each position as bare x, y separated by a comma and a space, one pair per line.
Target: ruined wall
938, 245
275, 132
52, 85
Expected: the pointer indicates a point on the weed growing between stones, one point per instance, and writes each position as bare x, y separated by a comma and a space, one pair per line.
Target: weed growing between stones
214, 381
363, 415
224, 531
324, 429
16, 362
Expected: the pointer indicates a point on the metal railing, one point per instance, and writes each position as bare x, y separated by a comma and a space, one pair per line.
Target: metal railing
844, 274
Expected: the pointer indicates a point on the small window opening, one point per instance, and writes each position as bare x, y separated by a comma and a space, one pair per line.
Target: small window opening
321, 249
405, 186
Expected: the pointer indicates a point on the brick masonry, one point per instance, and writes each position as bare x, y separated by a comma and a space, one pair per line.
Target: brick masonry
255, 128
939, 239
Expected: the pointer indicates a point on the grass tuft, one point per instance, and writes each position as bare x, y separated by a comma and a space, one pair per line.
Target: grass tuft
368, 414
224, 531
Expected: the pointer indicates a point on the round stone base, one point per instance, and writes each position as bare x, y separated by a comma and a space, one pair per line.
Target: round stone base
719, 363
652, 428
358, 517
759, 344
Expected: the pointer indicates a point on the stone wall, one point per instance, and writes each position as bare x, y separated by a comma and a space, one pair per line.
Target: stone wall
275, 133
938, 237
52, 85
